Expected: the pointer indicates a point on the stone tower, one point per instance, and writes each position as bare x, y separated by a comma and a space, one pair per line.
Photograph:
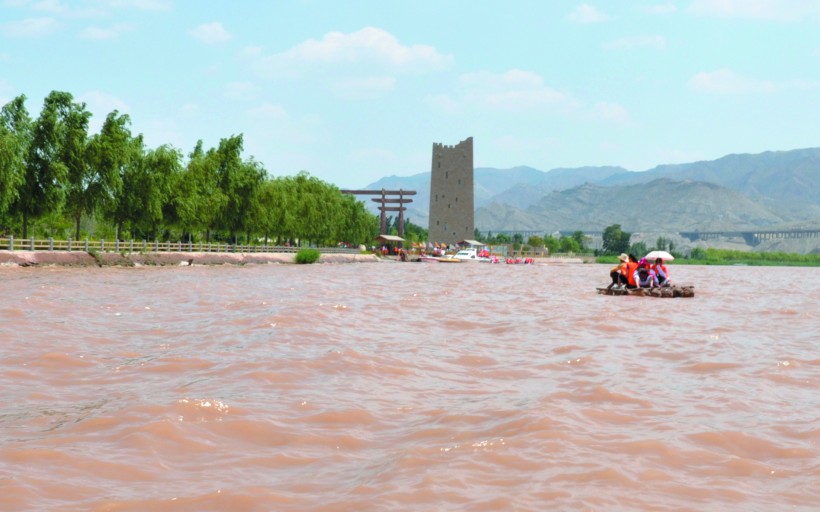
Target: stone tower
452, 215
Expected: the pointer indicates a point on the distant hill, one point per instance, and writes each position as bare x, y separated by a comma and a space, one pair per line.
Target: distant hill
519, 186
418, 212
779, 175
522, 195
660, 205
777, 189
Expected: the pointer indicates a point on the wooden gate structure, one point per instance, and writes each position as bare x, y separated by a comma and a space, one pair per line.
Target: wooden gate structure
384, 200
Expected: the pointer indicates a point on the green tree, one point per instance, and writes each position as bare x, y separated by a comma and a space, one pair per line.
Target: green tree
199, 197
503, 238
315, 209
638, 249
698, 253
239, 182
535, 241
149, 184
414, 232
552, 244
109, 153
43, 189
615, 240
83, 183
569, 244
15, 138
581, 239
661, 243
252, 176
124, 211
269, 205
358, 226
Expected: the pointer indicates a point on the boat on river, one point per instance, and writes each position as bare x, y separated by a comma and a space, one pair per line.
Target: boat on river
675, 291
426, 258
471, 254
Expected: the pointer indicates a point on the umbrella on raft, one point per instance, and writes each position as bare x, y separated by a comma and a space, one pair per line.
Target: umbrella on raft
665, 256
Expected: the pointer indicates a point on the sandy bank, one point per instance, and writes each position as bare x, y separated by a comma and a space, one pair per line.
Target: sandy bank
84, 259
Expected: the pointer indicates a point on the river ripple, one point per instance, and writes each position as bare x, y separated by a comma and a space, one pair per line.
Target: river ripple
413, 387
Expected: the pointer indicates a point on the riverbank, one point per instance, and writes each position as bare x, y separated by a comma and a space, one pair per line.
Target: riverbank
106, 259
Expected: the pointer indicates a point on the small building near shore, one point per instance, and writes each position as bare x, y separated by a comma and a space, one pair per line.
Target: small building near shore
391, 242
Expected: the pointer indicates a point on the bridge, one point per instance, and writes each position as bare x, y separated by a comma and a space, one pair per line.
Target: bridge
752, 237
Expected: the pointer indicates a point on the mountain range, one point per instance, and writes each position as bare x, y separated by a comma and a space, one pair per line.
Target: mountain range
771, 190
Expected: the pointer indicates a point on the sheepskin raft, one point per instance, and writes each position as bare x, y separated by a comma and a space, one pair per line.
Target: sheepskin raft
666, 292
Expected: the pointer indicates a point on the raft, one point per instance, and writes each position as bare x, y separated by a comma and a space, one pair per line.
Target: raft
666, 291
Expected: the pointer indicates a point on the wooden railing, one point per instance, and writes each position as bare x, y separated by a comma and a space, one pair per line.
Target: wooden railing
144, 246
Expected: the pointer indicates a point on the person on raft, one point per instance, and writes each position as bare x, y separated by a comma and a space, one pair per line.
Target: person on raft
619, 273
644, 276
661, 273
631, 267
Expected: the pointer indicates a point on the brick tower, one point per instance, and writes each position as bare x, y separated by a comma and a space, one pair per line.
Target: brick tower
452, 215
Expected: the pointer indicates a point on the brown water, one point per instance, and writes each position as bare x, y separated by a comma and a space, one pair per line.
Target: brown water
411, 387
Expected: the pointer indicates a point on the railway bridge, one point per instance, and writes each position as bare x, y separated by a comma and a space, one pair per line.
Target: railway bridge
752, 237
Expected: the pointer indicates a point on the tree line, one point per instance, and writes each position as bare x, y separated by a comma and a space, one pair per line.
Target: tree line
574, 243
58, 180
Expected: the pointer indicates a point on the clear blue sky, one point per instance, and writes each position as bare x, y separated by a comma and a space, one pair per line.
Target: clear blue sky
355, 90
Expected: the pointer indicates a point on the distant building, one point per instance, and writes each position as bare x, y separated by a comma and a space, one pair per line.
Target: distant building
452, 214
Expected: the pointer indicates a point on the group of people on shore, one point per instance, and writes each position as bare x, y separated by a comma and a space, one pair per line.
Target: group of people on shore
634, 273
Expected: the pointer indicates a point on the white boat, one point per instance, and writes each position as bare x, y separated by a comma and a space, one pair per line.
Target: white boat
472, 255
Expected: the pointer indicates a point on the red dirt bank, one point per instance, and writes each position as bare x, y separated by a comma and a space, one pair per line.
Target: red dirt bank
84, 259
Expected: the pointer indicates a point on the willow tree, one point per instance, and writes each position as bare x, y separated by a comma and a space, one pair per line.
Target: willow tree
15, 137
239, 181
198, 198
246, 196
317, 208
355, 224
151, 188
43, 187
109, 154
82, 180
272, 209
126, 202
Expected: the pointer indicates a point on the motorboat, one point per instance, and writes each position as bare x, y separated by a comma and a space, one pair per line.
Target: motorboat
472, 255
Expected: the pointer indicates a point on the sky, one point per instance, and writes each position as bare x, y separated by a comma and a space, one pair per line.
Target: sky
355, 90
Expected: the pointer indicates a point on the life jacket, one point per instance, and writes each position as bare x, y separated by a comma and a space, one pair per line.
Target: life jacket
631, 267
660, 271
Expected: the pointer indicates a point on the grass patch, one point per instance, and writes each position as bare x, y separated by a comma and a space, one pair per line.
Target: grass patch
97, 258
730, 257
305, 256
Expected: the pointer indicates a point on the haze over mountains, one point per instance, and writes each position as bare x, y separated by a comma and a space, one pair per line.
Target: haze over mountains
771, 190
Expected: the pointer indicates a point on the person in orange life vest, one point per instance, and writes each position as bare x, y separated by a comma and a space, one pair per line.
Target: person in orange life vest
661, 273
631, 267
619, 274
645, 276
